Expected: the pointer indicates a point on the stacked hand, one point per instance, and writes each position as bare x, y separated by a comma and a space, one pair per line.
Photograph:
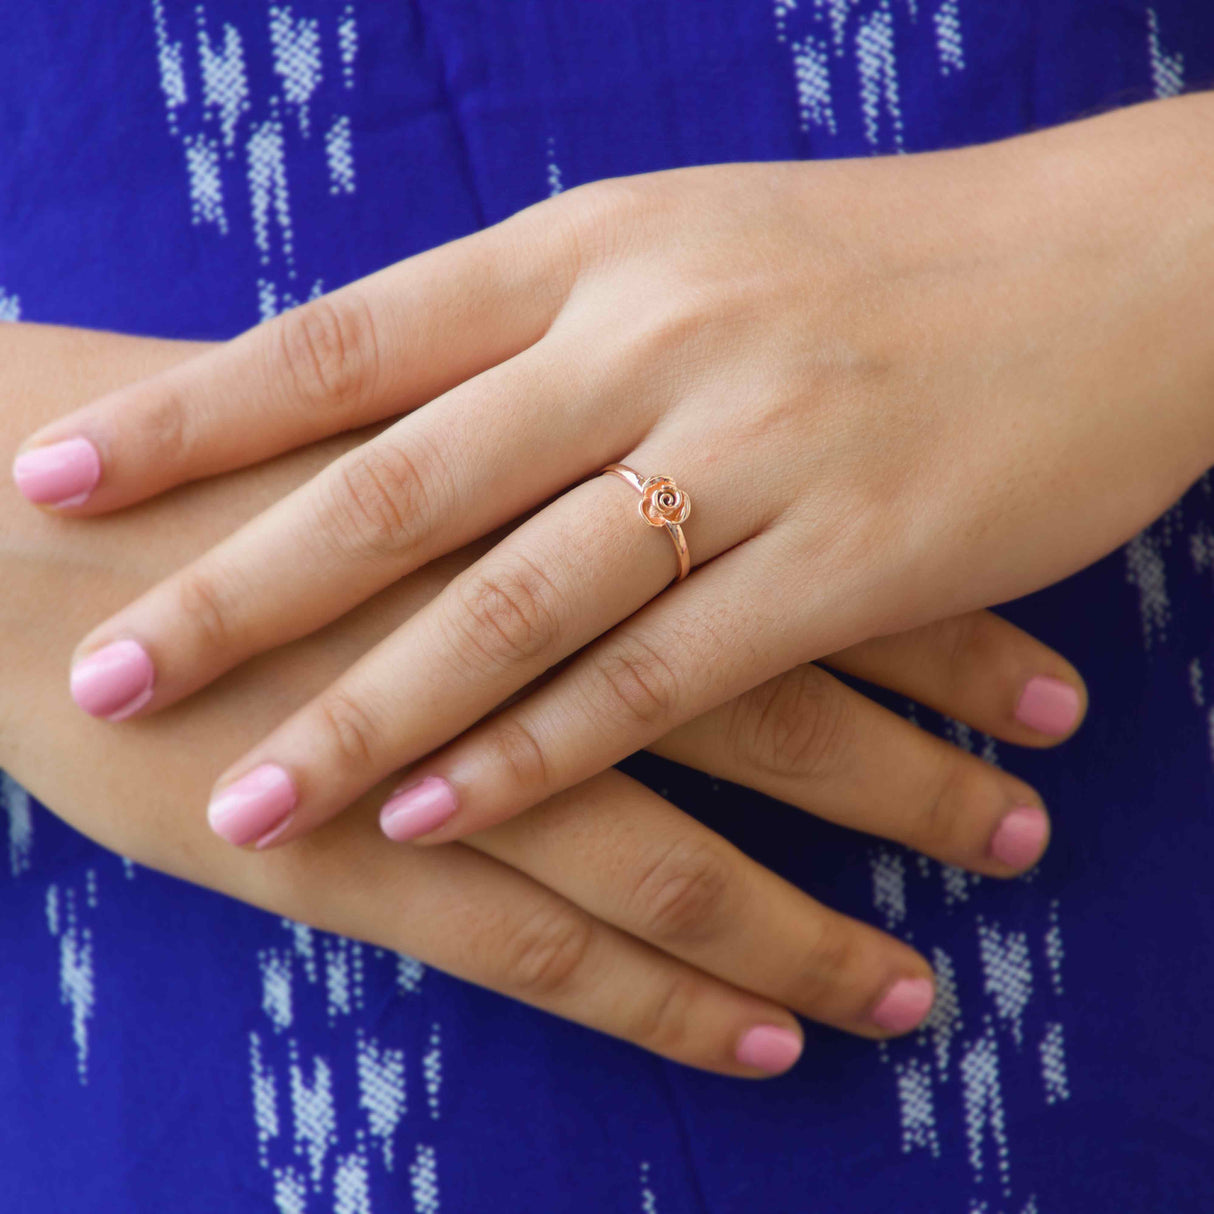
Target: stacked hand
880, 424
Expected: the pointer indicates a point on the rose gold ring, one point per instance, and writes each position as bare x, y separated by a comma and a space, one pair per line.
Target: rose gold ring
662, 504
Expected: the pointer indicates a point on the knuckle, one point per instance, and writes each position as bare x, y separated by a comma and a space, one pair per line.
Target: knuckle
966, 643
940, 826
616, 202
513, 748
544, 953
353, 733
826, 977
682, 896
638, 681
377, 502
509, 615
685, 321
597, 221
599, 199
330, 350
792, 726
662, 1022
670, 339
168, 424
593, 212
202, 601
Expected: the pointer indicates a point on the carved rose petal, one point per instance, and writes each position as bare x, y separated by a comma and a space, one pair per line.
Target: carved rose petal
662, 501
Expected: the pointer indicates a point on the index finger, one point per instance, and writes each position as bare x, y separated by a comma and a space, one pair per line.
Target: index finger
377, 347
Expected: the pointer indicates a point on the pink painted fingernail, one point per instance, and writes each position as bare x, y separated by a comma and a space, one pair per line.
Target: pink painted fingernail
273, 833
253, 805
61, 474
1020, 837
1048, 706
115, 681
904, 1005
767, 1047
417, 809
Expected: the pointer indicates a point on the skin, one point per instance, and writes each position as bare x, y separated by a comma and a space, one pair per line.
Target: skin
606, 905
880, 424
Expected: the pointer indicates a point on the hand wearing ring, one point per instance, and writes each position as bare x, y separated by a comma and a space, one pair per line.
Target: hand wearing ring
879, 431
582, 857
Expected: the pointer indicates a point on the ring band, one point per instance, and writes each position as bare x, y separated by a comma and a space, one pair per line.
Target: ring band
662, 504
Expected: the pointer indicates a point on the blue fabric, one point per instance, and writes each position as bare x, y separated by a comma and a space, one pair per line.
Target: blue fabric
186, 169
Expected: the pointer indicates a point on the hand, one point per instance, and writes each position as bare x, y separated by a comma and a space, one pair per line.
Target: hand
880, 425
606, 878
606, 905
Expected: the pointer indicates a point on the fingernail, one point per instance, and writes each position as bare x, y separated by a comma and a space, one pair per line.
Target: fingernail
1048, 706
115, 681
904, 1005
767, 1047
1020, 837
273, 833
257, 802
417, 809
61, 474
